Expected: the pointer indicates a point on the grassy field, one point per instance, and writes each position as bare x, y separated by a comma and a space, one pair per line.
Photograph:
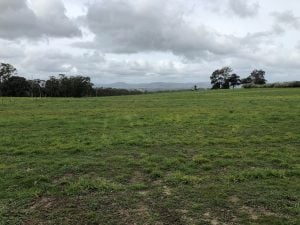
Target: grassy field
211, 157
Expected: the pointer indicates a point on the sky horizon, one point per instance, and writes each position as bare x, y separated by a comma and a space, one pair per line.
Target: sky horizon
144, 41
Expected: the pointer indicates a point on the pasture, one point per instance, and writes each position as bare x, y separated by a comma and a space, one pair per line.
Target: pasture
207, 157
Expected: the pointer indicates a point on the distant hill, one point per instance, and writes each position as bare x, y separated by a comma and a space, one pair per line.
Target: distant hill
157, 86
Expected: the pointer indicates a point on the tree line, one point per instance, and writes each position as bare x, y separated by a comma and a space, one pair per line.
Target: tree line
224, 79
13, 85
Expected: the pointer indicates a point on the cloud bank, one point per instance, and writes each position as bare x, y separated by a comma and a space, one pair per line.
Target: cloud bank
150, 40
45, 18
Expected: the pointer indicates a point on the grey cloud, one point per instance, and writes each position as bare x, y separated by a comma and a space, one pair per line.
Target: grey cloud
97, 66
265, 38
53, 20
12, 4
243, 8
10, 51
56, 61
279, 27
292, 62
126, 27
150, 40
17, 20
107, 70
287, 18
262, 39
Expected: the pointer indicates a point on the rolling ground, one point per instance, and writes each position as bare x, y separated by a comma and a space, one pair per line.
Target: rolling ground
211, 157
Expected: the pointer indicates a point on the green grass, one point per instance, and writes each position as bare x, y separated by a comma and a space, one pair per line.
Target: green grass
211, 157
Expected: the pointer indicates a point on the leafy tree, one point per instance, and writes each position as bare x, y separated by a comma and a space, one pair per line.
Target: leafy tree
256, 77
37, 87
63, 86
220, 78
15, 87
246, 80
80, 86
6, 71
52, 87
234, 80
216, 80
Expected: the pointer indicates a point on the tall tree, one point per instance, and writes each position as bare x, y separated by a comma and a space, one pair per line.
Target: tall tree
80, 86
220, 78
52, 87
74, 86
234, 80
256, 77
37, 87
15, 87
6, 71
216, 80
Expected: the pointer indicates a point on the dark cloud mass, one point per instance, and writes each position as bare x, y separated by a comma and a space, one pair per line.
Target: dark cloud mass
125, 27
17, 20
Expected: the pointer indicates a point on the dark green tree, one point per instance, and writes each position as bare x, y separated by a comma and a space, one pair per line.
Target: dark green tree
256, 77
220, 78
65, 88
80, 86
74, 86
52, 87
15, 87
234, 80
6, 71
37, 87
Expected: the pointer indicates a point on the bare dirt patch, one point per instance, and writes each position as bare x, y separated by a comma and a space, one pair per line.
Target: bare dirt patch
137, 177
143, 193
234, 199
167, 191
255, 213
43, 203
136, 215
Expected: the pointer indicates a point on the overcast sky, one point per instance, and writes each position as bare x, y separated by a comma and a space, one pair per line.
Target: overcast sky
151, 40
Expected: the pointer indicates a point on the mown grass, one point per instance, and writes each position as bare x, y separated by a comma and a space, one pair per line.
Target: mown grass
211, 157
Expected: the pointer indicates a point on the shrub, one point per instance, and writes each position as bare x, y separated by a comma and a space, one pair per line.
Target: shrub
292, 84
